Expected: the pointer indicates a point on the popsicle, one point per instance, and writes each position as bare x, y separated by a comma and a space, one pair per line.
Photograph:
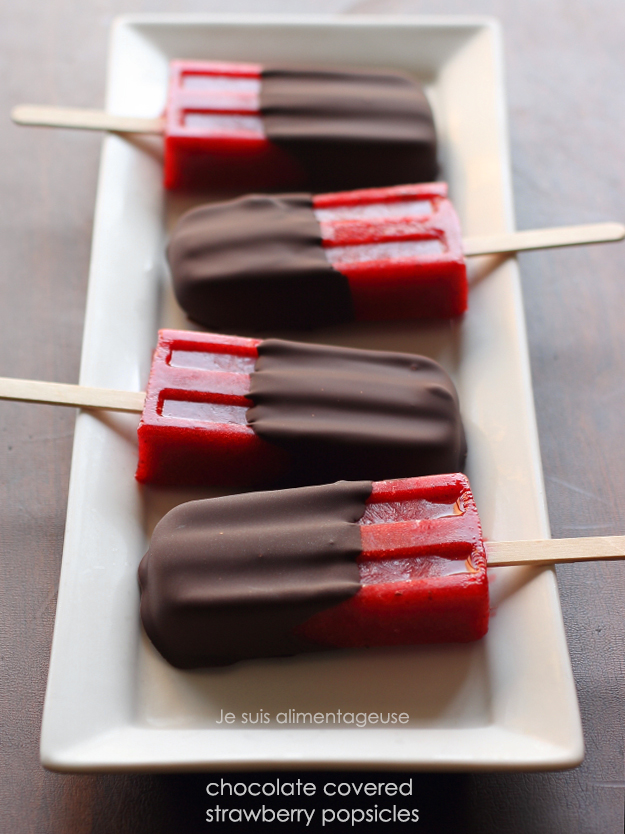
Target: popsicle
262, 126
232, 411
344, 565
295, 261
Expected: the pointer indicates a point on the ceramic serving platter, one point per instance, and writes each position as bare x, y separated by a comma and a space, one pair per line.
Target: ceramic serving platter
112, 703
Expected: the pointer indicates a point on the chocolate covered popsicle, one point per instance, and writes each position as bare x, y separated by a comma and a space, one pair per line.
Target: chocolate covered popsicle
344, 565
245, 126
230, 411
324, 127
236, 411
300, 261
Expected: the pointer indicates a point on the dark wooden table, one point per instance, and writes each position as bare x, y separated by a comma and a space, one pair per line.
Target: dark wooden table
566, 92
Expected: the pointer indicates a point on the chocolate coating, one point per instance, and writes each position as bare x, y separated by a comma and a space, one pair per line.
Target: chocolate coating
230, 578
350, 413
350, 128
256, 262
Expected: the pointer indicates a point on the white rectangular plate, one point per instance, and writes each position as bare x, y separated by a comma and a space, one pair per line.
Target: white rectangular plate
112, 703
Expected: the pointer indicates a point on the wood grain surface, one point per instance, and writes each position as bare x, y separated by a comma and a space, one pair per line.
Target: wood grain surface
565, 70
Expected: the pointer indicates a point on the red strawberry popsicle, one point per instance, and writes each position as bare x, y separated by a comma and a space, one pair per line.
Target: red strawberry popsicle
298, 260
247, 126
344, 565
231, 411
262, 126
236, 411
290, 261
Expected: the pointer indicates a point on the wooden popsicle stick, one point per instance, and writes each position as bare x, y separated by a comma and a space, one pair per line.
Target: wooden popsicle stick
544, 238
78, 396
83, 119
555, 551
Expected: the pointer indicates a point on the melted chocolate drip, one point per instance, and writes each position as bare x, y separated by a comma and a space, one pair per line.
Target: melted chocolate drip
227, 579
350, 128
356, 414
256, 262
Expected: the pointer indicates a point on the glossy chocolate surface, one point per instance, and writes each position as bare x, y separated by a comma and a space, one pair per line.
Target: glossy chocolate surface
350, 128
256, 262
230, 578
347, 413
